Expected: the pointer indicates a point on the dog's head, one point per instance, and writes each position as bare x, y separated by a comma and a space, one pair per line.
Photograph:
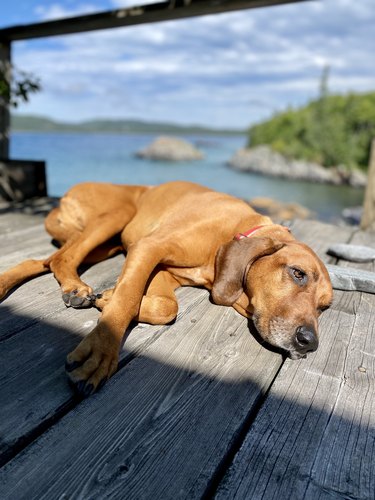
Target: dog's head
282, 284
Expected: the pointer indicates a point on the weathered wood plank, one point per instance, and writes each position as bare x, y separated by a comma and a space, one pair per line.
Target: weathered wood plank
162, 426
11, 222
314, 436
33, 386
13, 236
17, 245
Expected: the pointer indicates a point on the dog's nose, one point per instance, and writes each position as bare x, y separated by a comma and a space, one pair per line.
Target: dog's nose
306, 339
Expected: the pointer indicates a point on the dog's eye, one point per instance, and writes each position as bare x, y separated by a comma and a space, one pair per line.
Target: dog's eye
299, 276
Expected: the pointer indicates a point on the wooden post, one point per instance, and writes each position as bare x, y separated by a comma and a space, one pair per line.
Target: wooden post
5, 67
368, 216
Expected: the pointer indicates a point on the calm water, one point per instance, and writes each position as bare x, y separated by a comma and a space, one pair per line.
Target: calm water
77, 157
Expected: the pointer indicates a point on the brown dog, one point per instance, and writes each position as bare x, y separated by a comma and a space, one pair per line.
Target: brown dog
177, 234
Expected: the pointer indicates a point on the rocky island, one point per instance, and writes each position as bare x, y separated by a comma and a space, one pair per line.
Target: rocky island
170, 149
263, 160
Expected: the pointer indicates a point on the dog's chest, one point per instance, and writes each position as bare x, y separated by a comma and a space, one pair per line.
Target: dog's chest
193, 276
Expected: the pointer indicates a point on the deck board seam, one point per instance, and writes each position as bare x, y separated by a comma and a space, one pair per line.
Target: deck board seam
237, 441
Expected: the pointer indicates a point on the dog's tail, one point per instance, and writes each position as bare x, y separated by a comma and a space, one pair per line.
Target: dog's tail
20, 273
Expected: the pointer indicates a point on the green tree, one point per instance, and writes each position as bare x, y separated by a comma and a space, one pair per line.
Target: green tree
19, 87
330, 130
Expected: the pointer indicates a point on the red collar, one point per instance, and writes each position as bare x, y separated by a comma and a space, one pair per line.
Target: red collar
250, 232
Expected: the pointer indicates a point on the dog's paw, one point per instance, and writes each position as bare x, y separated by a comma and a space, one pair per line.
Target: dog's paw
79, 298
102, 299
92, 363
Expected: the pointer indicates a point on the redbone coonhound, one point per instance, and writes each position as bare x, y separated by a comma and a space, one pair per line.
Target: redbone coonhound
177, 234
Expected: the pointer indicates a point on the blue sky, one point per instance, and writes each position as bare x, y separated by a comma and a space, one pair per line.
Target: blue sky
227, 70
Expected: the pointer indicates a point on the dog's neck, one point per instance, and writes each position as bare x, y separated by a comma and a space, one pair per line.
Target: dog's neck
250, 232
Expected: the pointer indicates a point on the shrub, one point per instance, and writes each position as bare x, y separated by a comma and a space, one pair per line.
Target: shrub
331, 130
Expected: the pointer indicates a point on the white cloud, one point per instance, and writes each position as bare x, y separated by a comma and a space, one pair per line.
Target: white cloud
58, 11
220, 67
131, 3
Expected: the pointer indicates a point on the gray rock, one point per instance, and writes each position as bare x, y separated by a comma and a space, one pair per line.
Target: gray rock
263, 160
349, 279
170, 149
353, 253
352, 215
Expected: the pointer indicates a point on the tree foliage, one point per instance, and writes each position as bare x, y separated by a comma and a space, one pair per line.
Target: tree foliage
331, 130
18, 88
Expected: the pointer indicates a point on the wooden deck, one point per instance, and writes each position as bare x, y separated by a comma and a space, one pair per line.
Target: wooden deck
198, 409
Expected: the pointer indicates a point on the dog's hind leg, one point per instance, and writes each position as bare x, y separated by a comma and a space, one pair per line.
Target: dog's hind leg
90, 245
32, 268
20, 273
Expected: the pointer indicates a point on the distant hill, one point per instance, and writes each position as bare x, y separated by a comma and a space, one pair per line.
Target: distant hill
43, 124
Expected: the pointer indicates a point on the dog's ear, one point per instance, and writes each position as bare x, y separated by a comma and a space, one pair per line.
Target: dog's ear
233, 261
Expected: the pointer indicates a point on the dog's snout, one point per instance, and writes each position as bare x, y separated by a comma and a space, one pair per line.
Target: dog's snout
306, 339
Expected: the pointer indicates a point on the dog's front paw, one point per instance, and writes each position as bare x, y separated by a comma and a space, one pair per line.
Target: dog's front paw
93, 362
79, 297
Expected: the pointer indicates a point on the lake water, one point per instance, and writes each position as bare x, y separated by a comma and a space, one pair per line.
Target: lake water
77, 157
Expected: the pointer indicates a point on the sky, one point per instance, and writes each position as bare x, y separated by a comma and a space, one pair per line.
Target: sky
228, 70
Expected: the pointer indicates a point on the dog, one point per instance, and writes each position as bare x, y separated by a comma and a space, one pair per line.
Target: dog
177, 234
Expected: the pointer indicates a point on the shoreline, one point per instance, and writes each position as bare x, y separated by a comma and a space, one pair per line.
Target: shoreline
263, 160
